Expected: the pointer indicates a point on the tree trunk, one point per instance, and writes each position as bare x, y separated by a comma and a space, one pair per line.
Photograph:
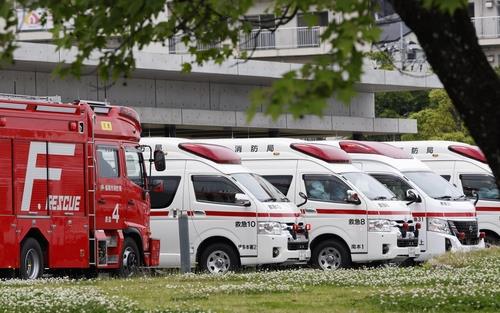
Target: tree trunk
452, 49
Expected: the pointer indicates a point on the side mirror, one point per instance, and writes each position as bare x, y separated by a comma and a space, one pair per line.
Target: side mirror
353, 197
303, 196
475, 194
159, 160
242, 199
157, 186
412, 196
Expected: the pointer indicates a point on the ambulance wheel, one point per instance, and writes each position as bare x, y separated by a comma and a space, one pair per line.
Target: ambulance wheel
218, 258
130, 260
31, 260
491, 241
330, 255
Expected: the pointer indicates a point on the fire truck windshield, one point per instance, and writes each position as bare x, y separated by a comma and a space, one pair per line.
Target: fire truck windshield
260, 188
369, 186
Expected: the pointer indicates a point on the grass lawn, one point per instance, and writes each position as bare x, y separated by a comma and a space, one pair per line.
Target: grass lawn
451, 283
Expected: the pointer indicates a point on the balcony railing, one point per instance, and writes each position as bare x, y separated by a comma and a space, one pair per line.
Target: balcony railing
487, 26
281, 38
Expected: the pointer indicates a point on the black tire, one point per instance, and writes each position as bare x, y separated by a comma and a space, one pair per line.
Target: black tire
130, 260
219, 258
32, 263
491, 241
330, 255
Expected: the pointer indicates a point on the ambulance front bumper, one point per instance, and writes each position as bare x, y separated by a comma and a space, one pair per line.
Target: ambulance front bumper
283, 249
383, 246
440, 243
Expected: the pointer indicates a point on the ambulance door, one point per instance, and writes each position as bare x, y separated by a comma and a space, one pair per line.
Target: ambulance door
327, 208
136, 208
399, 186
165, 208
109, 196
7, 231
66, 205
216, 213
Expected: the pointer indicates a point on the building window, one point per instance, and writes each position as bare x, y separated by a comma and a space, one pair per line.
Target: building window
262, 35
320, 20
470, 9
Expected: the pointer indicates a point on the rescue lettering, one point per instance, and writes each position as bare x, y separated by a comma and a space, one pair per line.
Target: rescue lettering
64, 203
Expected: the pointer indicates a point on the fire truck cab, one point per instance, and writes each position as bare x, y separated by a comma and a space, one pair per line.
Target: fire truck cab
353, 217
466, 167
449, 221
73, 186
236, 218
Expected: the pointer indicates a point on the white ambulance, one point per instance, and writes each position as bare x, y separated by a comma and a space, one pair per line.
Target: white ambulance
354, 218
466, 167
448, 219
236, 218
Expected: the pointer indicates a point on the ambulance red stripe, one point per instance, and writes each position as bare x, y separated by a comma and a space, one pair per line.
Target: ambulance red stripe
444, 214
487, 209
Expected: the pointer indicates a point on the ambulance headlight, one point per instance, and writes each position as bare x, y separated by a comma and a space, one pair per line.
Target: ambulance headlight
269, 228
438, 225
380, 225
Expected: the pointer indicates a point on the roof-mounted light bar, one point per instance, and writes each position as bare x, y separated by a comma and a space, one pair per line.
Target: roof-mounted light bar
215, 153
472, 152
372, 147
323, 152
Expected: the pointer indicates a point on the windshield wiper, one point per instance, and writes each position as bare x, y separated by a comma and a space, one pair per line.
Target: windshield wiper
270, 200
443, 198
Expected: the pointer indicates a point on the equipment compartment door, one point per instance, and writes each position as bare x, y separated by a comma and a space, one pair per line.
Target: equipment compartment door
66, 205
7, 230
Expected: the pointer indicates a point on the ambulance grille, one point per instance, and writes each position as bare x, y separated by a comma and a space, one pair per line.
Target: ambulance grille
469, 228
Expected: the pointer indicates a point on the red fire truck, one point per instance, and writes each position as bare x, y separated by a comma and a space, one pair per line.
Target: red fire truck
73, 189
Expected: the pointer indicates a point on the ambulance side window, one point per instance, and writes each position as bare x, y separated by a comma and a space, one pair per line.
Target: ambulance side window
282, 182
447, 177
217, 189
134, 165
394, 184
325, 188
483, 185
161, 200
107, 162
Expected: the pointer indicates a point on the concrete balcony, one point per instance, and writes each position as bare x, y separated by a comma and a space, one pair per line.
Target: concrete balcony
286, 41
487, 29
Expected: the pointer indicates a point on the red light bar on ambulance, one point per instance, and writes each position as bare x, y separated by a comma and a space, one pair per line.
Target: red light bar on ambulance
323, 152
372, 147
472, 152
216, 153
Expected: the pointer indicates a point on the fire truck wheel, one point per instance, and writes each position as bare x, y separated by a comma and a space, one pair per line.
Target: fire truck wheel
330, 255
218, 258
131, 259
31, 260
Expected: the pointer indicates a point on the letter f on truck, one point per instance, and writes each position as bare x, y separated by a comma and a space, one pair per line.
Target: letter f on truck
33, 172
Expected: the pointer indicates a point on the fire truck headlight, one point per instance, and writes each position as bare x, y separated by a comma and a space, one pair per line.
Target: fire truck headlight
380, 225
269, 228
438, 225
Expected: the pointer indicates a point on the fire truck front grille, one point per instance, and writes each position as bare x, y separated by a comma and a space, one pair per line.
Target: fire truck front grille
408, 242
302, 245
470, 230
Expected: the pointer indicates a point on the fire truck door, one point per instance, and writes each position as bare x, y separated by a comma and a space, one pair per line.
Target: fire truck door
136, 207
110, 203
66, 206
7, 230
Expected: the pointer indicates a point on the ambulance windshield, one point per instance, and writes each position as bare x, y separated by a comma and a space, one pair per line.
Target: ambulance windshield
434, 185
369, 186
260, 188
